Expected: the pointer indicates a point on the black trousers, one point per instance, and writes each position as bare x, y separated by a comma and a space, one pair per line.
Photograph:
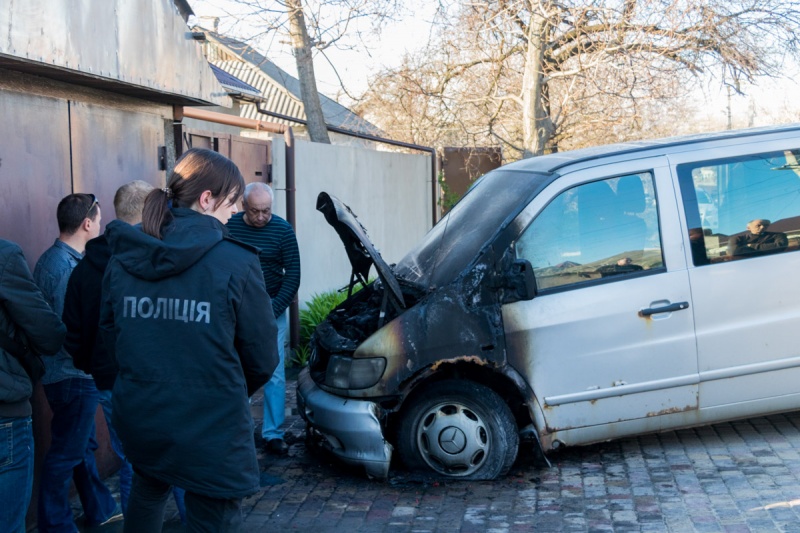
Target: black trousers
148, 500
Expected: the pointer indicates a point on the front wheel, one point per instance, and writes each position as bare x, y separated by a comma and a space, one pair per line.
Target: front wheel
458, 429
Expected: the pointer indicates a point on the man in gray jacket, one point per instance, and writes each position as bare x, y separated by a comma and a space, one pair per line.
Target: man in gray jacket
71, 393
27, 319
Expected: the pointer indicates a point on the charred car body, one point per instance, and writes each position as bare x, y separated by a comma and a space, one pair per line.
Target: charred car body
569, 299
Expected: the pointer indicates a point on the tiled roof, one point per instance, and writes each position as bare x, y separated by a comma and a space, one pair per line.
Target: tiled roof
280, 91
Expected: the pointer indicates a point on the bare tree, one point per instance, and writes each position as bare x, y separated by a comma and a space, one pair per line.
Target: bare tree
543, 73
312, 27
301, 45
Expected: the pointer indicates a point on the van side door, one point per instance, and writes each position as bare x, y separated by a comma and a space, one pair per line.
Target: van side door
743, 268
609, 336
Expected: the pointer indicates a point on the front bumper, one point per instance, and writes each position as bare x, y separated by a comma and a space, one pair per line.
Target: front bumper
351, 429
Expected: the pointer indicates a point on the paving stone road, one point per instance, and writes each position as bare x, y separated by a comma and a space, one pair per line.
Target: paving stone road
737, 477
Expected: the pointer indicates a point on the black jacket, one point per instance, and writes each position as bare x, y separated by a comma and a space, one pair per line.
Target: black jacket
82, 315
27, 317
757, 243
190, 324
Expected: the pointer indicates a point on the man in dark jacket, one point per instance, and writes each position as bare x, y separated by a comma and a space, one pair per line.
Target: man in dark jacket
757, 240
82, 301
26, 318
189, 322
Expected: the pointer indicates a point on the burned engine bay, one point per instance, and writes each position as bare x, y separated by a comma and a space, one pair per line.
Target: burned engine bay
397, 328
353, 321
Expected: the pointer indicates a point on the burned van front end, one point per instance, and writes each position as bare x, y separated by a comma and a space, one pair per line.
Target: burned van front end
341, 392
416, 360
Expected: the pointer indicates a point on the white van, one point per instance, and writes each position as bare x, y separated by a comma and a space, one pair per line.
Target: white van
570, 298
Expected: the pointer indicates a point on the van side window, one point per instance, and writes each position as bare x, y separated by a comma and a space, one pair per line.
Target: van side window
742, 207
598, 230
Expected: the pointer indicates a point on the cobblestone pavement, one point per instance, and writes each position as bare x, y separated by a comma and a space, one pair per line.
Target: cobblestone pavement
735, 477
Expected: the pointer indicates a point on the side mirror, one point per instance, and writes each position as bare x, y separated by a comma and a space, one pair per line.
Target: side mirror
518, 282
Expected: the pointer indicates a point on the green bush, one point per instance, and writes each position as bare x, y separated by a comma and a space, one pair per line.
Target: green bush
315, 312
448, 198
300, 355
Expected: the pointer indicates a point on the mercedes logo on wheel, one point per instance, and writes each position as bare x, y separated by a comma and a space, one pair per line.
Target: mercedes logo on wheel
452, 440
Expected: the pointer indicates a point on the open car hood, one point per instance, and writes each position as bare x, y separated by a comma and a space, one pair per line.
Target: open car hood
360, 251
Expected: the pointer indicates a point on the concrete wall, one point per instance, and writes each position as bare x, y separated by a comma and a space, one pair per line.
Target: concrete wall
389, 192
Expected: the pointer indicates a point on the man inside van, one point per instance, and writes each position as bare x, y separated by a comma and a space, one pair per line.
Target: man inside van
624, 265
757, 240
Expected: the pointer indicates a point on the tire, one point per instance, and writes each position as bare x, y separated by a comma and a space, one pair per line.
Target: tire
458, 429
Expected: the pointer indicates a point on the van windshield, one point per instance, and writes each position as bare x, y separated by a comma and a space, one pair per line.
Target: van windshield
453, 243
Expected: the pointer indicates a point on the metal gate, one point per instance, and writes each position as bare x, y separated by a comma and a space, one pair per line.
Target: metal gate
252, 156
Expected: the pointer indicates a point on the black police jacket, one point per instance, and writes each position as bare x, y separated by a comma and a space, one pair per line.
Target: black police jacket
190, 325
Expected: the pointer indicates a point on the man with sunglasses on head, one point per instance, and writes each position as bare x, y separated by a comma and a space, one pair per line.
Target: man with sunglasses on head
71, 393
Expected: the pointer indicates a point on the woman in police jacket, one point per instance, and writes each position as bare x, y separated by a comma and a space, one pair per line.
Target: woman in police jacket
187, 317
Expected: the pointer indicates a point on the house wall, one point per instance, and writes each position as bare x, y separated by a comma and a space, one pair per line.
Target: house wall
248, 111
194, 124
389, 192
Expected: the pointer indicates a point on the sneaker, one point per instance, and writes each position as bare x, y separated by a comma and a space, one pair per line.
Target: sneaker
116, 516
276, 447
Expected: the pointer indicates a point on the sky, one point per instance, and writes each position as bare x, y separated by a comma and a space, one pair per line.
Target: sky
767, 102
762, 104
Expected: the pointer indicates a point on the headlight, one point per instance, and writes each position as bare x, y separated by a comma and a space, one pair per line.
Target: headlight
349, 373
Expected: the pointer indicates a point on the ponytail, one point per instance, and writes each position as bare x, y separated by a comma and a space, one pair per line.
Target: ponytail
156, 211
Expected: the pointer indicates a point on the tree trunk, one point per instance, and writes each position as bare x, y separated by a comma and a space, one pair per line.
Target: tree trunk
301, 45
537, 127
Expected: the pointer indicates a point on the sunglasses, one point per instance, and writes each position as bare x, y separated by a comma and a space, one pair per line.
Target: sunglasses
94, 203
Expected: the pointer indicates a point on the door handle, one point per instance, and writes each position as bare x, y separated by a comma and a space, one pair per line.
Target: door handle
666, 309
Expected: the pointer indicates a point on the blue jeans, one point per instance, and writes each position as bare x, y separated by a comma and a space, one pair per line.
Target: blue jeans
275, 390
16, 472
125, 469
71, 457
